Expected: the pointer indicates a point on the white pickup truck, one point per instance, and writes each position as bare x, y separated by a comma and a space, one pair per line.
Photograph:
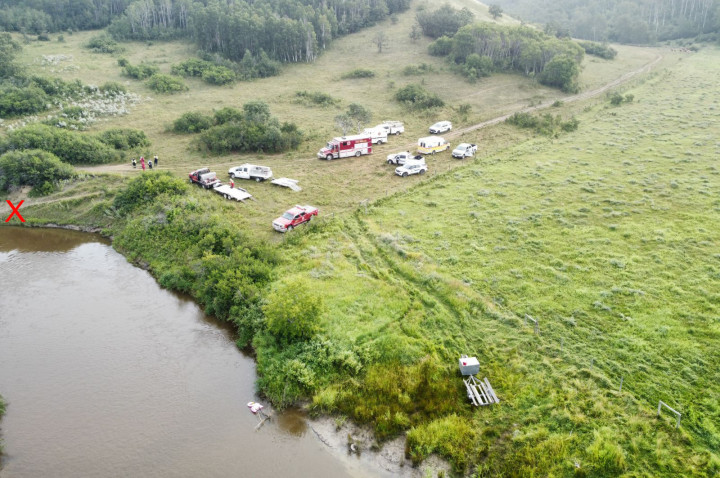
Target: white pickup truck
464, 150
400, 158
250, 171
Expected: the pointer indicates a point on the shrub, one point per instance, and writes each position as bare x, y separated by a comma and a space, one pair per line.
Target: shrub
123, 62
358, 73
598, 49
141, 71
292, 311
56, 86
417, 97
316, 98
420, 69
166, 84
228, 114
145, 188
69, 146
192, 122
447, 436
191, 67
124, 138
218, 75
616, 98
103, 43
441, 47
546, 124
477, 66
113, 88
43, 37
561, 72
16, 101
33, 167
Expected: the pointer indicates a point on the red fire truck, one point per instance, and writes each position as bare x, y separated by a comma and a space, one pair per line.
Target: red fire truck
345, 146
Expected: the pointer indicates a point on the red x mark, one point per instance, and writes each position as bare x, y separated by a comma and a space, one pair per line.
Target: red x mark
15, 210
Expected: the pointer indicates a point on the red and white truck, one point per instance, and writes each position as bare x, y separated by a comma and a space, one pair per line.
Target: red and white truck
294, 217
344, 146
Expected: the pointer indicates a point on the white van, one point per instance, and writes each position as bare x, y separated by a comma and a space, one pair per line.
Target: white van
392, 127
378, 134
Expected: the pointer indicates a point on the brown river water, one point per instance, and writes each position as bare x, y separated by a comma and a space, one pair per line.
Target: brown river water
109, 375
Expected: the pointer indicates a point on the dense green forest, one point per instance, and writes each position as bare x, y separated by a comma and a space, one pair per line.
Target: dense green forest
289, 31
624, 21
38, 16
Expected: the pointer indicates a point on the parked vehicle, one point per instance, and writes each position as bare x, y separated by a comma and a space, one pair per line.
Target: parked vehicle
344, 146
400, 158
412, 167
205, 178
377, 135
251, 171
392, 127
238, 194
432, 145
440, 127
294, 217
464, 150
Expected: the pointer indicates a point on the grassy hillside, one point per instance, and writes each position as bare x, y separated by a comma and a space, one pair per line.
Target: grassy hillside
367, 178
608, 236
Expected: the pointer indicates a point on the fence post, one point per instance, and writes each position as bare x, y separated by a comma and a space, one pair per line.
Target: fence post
678, 414
621, 382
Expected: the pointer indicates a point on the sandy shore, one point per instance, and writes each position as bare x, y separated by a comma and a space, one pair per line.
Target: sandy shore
367, 460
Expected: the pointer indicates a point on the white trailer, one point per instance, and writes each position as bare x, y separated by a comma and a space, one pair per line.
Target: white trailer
251, 171
238, 194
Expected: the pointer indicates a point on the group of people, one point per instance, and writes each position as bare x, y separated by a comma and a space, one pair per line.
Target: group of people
150, 162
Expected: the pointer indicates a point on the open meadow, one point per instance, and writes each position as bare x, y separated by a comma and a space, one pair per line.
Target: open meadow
337, 186
608, 236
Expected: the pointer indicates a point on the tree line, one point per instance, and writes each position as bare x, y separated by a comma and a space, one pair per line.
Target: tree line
623, 21
288, 31
38, 16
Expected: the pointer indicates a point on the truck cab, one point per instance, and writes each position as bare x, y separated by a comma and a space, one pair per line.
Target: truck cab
205, 178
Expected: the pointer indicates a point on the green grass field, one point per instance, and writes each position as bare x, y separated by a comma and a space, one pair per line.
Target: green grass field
334, 187
608, 236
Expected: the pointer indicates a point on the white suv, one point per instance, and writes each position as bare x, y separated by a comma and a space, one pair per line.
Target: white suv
441, 127
411, 167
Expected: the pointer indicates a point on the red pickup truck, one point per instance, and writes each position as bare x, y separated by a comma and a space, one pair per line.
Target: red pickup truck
294, 217
205, 178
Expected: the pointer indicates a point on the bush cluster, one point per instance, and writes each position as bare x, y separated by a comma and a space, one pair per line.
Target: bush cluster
252, 129
15, 101
417, 97
316, 98
146, 188
139, 72
420, 69
124, 138
616, 98
69, 146
598, 49
208, 71
166, 84
192, 122
358, 73
103, 43
33, 167
545, 124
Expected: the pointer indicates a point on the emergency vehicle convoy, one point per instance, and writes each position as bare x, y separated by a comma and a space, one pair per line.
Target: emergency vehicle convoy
345, 146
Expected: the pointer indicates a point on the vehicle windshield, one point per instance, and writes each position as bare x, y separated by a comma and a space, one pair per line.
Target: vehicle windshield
288, 216
328, 146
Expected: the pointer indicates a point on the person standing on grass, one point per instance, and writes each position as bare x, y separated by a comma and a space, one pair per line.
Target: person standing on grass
142, 162
155, 159
232, 184
149, 164
134, 163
